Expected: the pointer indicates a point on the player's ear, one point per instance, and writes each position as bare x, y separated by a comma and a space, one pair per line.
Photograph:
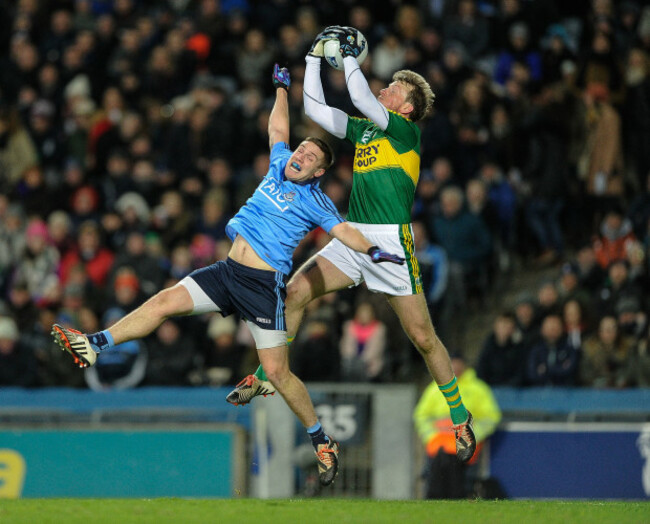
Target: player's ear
319, 173
406, 109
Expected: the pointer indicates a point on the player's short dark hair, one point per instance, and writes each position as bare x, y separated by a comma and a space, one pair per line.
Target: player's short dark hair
420, 95
328, 159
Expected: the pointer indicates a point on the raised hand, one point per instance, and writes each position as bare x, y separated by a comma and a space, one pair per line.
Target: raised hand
349, 44
378, 256
329, 33
281, 77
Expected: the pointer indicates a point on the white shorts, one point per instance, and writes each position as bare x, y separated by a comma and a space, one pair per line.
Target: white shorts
385, 277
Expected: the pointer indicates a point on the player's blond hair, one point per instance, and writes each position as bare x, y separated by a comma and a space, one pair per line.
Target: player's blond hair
421, 96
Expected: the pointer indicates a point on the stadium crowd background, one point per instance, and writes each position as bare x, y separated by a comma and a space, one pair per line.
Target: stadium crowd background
131, 131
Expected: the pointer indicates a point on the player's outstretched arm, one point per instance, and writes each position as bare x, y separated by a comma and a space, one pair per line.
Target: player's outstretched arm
279, 118
354, 239
361, 95
329, 118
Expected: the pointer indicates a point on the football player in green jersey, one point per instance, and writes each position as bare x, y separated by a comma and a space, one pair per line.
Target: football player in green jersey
386, 171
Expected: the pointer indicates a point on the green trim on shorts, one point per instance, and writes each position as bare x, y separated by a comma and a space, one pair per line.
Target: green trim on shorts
406, 240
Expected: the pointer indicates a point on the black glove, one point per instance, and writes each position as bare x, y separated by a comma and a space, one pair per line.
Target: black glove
281, 78
378, 256
349, 44
329, 33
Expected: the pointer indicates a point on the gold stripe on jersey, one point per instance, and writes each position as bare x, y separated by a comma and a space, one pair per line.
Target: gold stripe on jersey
380, 154
406, 238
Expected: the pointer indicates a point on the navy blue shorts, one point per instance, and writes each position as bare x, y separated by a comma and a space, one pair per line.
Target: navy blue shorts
256, 294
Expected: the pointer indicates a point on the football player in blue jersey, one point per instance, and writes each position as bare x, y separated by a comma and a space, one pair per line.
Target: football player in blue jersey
286, 205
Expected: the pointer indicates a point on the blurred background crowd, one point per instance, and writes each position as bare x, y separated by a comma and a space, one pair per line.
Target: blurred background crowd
131, 131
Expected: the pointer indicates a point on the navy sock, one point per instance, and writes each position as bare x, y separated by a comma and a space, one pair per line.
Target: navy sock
317, 435
101, 340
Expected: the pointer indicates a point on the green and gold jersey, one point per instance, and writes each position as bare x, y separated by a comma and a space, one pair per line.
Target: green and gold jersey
386, 170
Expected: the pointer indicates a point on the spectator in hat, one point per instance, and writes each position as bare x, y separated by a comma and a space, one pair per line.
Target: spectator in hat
126, 289
79, 123
17, 361
134, 211
557, 49
59, 230
615, 236
84, 204
40, 262
606, 357
632, 319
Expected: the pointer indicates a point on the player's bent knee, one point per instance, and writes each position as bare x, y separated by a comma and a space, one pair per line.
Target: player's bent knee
298, 293
277, 372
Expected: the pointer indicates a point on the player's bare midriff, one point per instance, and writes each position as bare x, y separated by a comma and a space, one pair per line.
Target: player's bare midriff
242, 252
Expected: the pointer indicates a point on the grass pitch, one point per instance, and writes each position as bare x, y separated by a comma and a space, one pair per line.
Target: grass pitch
316, 511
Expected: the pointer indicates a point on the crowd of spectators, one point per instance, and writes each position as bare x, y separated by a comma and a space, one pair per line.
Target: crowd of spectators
586, 326
131, 131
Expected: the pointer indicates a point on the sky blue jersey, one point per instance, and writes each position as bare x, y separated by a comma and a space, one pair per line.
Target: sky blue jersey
280, 213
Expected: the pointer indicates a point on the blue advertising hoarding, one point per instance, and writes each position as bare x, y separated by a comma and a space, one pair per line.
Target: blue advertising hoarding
120, 463
572, 460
